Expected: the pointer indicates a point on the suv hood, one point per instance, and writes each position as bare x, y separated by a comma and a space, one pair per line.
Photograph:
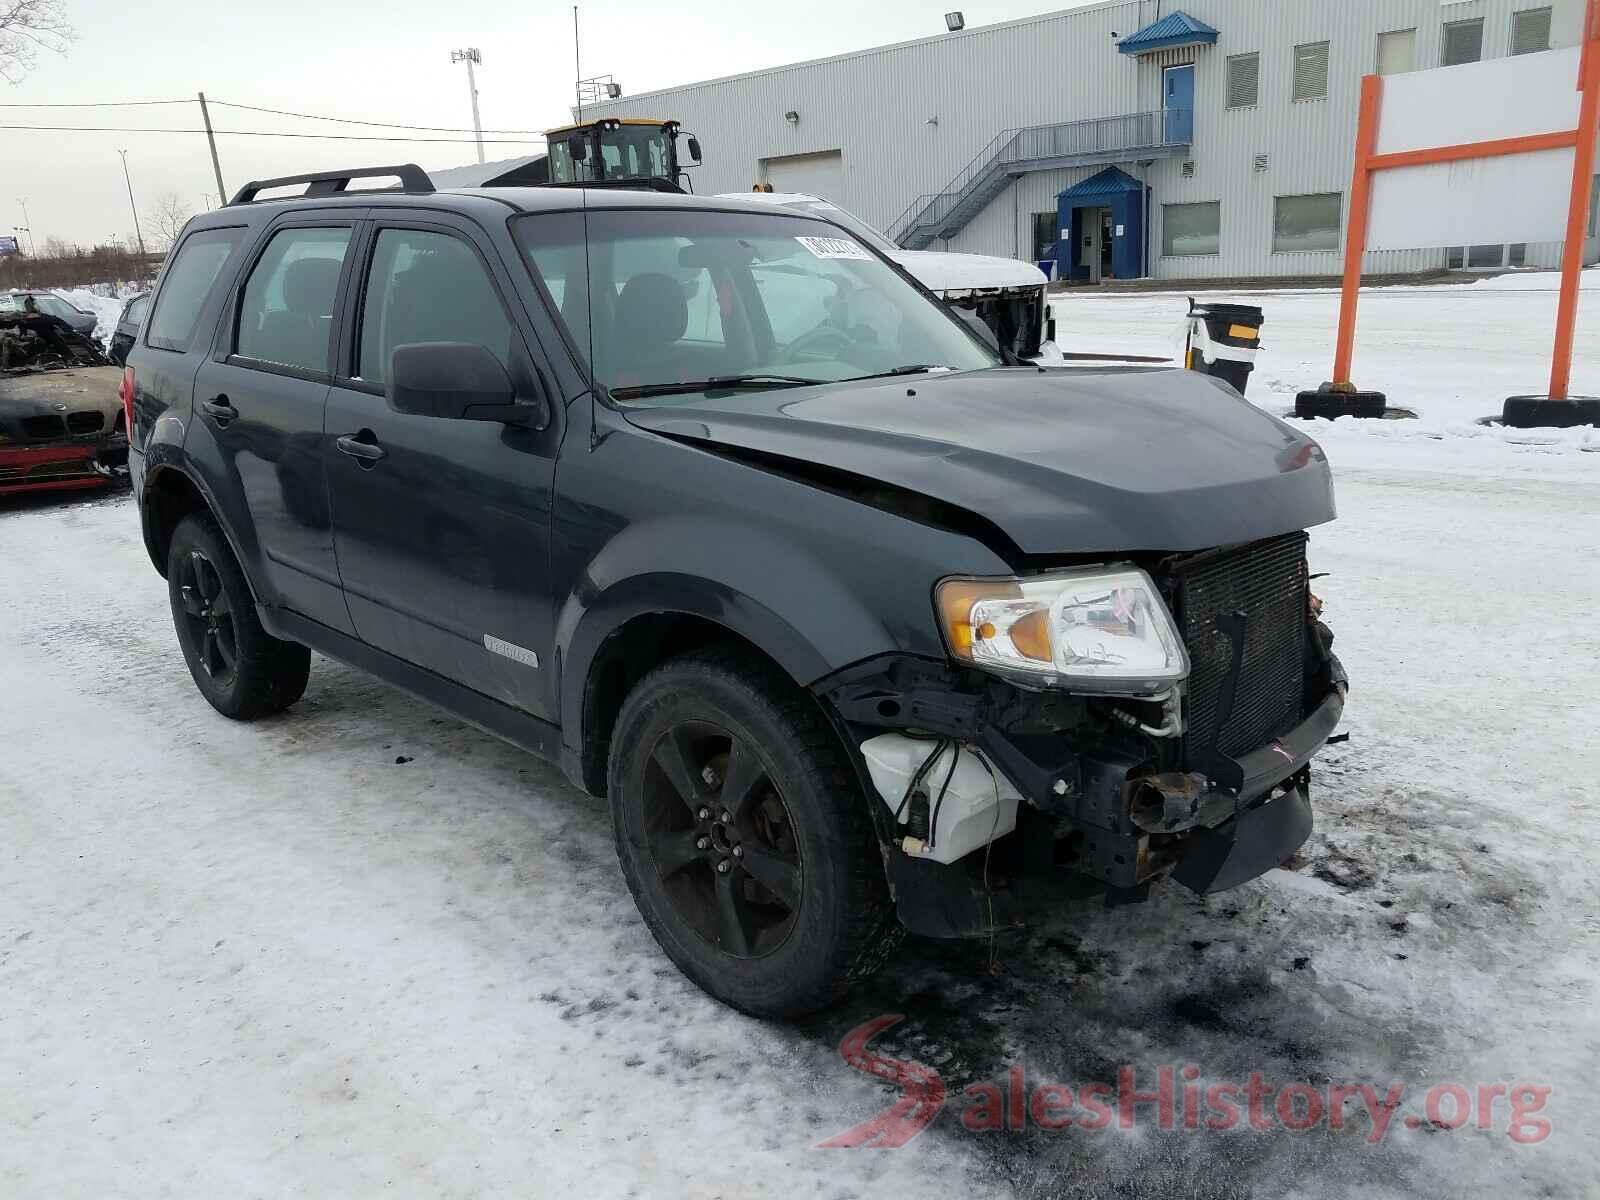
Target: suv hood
1062, 461
942, 271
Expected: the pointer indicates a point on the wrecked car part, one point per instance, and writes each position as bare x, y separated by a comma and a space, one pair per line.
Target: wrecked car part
1223, 791
969, 806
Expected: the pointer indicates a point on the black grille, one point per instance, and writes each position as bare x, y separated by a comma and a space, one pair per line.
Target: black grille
1267, 582
85, 421
40, 428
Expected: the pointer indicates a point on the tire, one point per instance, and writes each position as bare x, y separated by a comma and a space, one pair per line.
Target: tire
241, 669
785, 906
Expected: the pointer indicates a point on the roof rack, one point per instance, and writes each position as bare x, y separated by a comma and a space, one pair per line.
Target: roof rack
330, 183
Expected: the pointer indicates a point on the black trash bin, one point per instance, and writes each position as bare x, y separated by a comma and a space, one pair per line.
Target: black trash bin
1223, 340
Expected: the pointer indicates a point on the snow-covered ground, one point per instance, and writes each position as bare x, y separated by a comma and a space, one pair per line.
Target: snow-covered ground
361, 949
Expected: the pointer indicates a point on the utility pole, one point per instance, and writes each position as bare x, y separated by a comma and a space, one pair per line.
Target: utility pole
28, 227
216, 167
126, 178
577, 68
470, 56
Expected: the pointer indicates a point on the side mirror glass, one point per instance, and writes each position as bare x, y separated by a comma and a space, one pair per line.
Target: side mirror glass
694, 149
578, 147
459, 381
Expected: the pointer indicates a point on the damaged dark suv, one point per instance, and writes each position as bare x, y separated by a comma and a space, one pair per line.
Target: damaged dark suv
858, 629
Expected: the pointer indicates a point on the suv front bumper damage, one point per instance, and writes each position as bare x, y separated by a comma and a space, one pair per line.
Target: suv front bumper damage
1098, 816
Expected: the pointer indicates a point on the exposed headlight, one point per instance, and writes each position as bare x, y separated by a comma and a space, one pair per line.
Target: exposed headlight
1095, 629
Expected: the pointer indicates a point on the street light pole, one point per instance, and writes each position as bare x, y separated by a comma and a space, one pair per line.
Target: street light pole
471, 56
132, 207
33, 244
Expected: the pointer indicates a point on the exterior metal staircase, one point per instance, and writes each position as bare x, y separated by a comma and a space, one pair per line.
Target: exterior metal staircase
1094, 142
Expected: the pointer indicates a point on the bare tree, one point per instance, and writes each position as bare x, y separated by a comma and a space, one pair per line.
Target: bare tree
26, 27
166, 219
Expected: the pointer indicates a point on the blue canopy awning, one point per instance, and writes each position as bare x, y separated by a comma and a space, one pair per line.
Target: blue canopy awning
1110, 182
1174, 29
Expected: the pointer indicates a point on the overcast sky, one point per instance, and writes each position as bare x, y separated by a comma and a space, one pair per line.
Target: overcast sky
380, 63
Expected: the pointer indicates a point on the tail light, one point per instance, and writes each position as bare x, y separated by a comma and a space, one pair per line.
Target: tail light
127, 401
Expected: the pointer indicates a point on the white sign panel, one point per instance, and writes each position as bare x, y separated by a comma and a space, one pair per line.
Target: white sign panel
1513, 198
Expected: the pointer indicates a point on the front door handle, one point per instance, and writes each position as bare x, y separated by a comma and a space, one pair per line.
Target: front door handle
363, 445
221, 409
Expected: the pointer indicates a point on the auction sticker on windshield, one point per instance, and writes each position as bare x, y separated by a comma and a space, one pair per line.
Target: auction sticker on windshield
826, 247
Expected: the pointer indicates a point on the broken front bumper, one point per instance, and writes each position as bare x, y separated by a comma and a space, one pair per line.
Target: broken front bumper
1096, 819
61, 467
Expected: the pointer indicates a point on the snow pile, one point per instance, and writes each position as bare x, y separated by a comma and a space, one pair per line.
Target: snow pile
105, 308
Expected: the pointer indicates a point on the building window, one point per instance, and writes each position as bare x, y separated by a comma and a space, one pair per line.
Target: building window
1594, 206
1311, 71
1397, 52
1244, 80
1517, 254
1044, 234
1463, 42
1191, 229
1530, 31
1304, 223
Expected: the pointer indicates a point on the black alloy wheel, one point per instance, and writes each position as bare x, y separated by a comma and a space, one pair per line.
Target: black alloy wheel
209, 616
722, 839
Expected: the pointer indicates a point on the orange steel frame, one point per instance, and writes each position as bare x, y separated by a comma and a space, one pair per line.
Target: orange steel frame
1581, 140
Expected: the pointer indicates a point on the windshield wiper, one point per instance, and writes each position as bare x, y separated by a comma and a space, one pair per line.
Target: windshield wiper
908, 369
753, 382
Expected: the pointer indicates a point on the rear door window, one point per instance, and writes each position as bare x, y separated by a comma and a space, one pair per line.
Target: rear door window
286, 312
427, 286
189, 281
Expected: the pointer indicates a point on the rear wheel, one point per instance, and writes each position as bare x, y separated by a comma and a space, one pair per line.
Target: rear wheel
241, 669
744, 837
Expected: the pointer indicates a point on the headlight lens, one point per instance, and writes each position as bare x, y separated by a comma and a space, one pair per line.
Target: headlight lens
1096, 629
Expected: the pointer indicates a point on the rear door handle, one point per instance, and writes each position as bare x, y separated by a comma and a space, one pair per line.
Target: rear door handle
219, 408
363, 445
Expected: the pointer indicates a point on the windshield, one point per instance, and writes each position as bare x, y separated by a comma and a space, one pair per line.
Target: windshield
666, 298
839, 216
56, 307
627, 152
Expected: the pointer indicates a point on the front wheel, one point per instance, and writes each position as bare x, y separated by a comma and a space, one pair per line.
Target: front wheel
744, 836
238, 666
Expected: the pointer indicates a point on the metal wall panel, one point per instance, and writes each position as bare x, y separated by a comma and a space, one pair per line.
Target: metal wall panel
909, 117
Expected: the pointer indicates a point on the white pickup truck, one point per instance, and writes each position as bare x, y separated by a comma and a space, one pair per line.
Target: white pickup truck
1010, 296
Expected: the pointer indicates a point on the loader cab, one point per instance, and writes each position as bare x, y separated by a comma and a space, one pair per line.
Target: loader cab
621, 150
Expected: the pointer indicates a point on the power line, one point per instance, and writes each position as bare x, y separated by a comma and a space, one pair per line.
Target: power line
278, 112
337, 137
97, 104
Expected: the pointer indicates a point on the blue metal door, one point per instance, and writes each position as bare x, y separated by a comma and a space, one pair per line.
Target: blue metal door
1177, 101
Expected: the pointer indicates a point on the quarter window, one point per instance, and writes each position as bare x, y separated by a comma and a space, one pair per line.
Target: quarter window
1311, 71
286, 313
1191, 229
193, 272
425, 286
1301, 223
1244, 80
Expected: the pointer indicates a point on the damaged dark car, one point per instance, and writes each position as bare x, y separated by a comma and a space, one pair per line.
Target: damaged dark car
857, 629
62, 422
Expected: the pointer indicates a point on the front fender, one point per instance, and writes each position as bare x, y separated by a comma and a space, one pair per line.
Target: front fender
752, 580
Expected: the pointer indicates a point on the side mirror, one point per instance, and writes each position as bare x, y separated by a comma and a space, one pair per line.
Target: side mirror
459, 381
694, 149
578, 147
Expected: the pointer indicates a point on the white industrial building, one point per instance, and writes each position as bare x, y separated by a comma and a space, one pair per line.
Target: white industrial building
1193, 138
